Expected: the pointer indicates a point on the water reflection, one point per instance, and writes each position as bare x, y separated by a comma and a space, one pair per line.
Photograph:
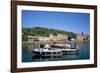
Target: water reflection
56, 58
44, 58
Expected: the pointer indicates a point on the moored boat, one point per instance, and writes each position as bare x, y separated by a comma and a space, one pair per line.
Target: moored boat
55, 50
47, 51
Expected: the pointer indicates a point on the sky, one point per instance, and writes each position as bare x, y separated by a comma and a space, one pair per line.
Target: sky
67, 21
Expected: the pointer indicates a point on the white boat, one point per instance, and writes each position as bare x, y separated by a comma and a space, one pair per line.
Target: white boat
47, 51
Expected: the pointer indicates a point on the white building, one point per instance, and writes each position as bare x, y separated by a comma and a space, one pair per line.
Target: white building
53, 38
37, 39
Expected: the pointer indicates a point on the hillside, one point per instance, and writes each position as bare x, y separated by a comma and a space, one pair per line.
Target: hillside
41, 31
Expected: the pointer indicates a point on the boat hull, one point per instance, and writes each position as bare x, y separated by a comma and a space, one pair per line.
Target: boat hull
36, 53
70, 51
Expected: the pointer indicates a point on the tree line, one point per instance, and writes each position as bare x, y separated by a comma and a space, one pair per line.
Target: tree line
45, 32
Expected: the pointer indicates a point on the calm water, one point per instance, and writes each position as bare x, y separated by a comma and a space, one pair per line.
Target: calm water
84, 53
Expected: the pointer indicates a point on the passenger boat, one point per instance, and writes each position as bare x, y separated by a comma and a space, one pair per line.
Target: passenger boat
56, 50
47, 51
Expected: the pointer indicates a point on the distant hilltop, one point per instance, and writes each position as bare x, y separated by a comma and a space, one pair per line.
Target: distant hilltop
42, 32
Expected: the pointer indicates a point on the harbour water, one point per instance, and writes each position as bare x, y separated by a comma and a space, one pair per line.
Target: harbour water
84, 53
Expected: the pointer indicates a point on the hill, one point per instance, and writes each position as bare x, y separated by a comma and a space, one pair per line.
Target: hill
42, 31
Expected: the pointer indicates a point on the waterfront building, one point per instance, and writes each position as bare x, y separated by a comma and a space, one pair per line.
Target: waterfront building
51, 38
32, 39
79, 37
37, 39
58, 37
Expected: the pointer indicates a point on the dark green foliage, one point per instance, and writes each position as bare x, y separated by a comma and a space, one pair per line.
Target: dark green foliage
41, 31
71, 35
24, 38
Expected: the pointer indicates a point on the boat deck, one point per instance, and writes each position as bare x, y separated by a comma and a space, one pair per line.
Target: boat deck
54, 50
70, 49
46, 52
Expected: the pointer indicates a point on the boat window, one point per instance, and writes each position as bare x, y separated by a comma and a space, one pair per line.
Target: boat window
44, 48
43, 52
59, 52
54, 52
49, 48
48, 53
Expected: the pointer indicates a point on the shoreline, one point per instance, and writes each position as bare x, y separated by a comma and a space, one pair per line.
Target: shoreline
52, 42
